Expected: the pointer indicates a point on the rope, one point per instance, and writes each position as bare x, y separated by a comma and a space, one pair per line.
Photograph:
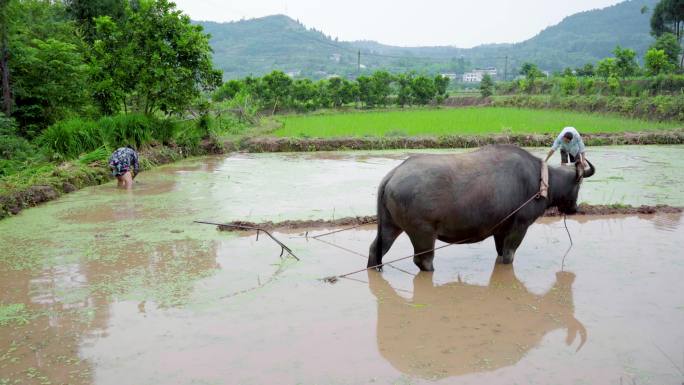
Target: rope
571, 244
359, 254
340, 230
335, 278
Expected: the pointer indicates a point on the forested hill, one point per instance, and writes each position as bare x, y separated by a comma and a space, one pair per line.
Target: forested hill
258, 46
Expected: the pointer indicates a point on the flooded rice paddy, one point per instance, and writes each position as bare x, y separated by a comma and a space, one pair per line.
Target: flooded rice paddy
110, 287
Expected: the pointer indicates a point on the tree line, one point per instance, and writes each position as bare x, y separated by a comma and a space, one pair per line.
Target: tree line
276, 91
65, 58
621, 74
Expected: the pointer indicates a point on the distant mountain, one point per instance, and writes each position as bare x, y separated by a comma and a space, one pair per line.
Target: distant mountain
258, 46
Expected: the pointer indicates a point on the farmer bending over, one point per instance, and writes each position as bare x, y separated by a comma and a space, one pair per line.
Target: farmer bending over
571, 145
124, 165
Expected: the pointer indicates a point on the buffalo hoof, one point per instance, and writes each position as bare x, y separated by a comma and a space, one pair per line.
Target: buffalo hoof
425, 266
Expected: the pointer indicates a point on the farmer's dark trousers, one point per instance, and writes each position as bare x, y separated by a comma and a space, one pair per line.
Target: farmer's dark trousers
565, 155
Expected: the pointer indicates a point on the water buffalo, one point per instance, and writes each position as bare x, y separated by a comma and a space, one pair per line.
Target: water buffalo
462, 197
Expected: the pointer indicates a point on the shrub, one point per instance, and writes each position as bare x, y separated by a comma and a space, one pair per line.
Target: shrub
121, 130
569, 85
70, 138
12, 147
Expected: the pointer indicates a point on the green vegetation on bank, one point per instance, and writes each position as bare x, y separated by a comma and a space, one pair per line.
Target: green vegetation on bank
655, 109
76, 150
570, 84
461, 121
81, 78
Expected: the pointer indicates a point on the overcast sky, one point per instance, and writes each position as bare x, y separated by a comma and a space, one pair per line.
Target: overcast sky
406, 22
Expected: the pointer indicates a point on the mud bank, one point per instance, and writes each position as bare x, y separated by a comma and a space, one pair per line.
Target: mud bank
273, 144
584, 209
69, 177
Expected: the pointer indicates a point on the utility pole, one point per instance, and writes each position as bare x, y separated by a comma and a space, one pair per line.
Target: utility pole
506, 69
358, 74
358, 64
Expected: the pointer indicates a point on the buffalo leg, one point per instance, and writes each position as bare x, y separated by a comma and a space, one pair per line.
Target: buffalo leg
511, 241
387, 234
499, 242
423, 248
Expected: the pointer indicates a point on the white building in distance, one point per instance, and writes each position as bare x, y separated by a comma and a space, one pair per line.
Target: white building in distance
451, 76
475, 76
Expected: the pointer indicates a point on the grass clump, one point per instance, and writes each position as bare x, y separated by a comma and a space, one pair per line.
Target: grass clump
14, 314
70, 138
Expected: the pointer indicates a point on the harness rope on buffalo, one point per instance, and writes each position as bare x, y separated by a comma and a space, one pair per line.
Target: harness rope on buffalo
542, 193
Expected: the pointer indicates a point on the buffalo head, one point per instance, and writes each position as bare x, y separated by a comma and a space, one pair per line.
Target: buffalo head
567, 202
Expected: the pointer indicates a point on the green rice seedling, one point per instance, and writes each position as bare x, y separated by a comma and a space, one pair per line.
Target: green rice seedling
189, 134
164, 131
99, 155
14, 313
69, 138
459, 121
132, 129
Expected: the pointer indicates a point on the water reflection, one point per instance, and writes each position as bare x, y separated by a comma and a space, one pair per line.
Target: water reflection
67, 304
460, 328
667, 221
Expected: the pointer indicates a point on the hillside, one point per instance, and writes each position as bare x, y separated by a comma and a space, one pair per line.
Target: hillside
260, 45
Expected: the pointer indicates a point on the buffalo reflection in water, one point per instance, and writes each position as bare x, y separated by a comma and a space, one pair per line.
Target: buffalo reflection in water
460, 328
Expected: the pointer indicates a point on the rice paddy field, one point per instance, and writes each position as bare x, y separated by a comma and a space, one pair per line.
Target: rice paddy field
106, 287
458, 121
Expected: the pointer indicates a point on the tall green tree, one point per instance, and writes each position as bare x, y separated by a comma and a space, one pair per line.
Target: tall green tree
86, 11
154, 60
277, 86
381, 87
607, 68
366, 92
625, 62
305, 95
657, 62
47, 64
423, 89
341, 91
441, 85
228, 90
586, 70
486, 86
669, 44
530, 71
4, 57
403, 88
668, 17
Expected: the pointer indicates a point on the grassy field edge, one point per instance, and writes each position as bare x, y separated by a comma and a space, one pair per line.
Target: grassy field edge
298, 144
70, 177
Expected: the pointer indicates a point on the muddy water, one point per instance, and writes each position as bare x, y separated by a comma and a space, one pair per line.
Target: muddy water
105, 286
277, 187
